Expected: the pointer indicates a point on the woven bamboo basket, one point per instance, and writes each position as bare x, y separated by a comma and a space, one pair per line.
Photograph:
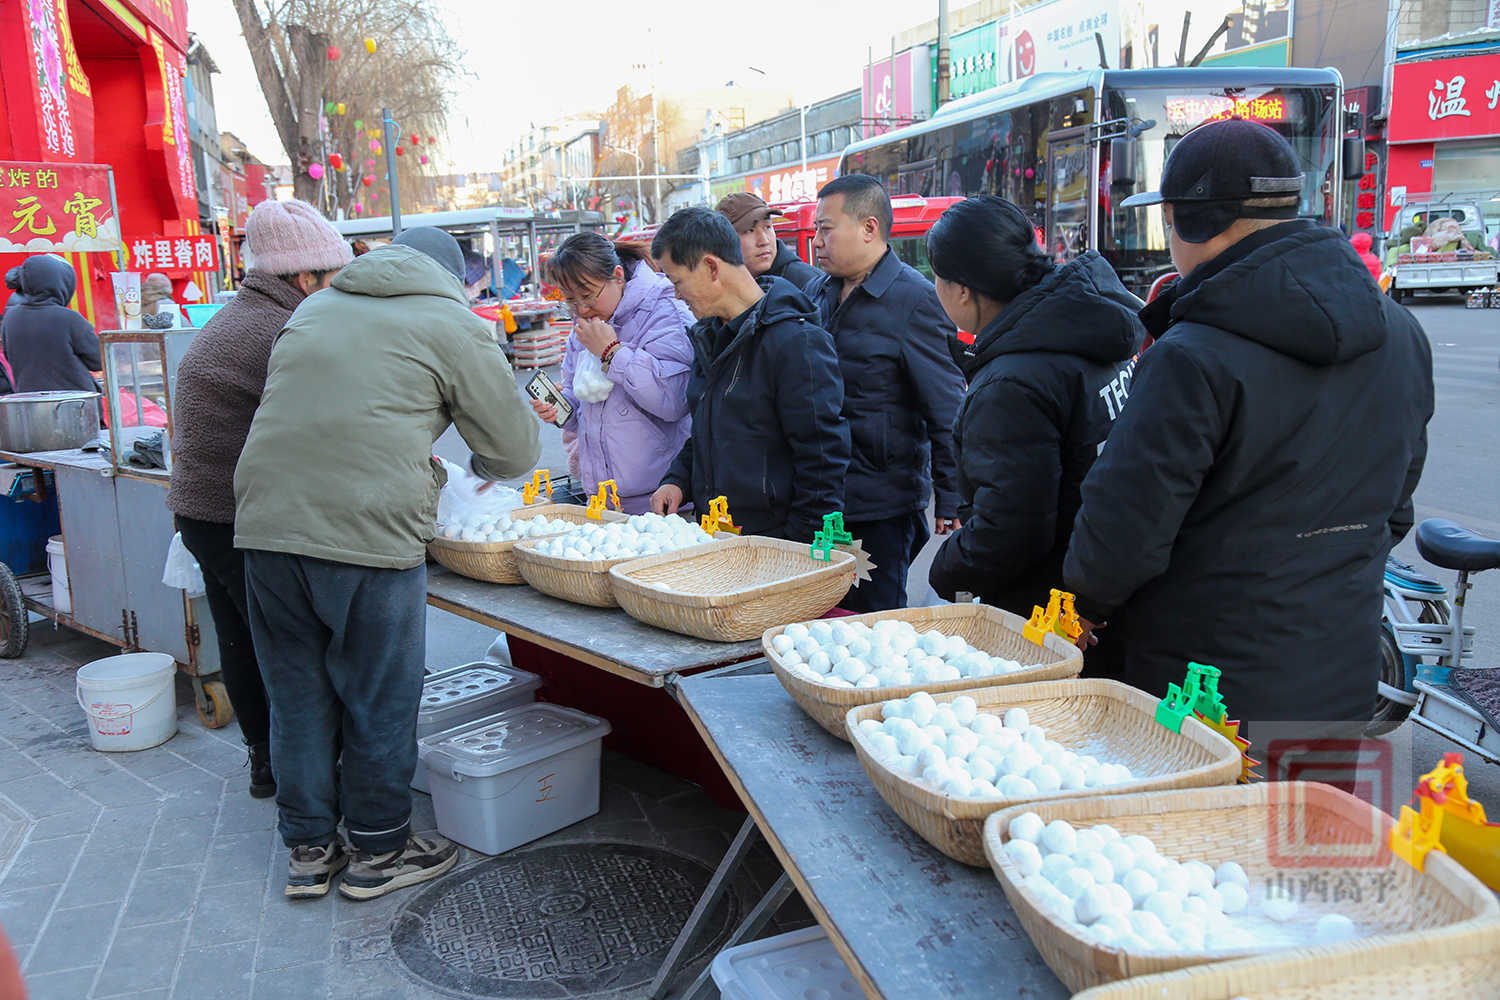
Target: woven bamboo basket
732, 589
1463, 961
582, 581
495, 562
1110, 720
1296, 831
985, 628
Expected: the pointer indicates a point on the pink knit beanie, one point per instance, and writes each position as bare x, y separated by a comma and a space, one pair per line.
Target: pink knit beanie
288, 237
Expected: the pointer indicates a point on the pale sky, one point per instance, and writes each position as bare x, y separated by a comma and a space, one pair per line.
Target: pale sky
533, 61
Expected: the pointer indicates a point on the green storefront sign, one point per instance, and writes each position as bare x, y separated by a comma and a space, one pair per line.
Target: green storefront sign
974, 60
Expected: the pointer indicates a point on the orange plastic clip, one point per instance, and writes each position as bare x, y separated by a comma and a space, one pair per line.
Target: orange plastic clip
533, 490
718, 519
1059, 618
597, 503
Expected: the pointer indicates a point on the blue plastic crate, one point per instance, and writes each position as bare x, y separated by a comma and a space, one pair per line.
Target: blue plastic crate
26, 525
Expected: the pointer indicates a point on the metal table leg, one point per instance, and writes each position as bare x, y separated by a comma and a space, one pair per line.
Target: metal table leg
751, 928
733, 859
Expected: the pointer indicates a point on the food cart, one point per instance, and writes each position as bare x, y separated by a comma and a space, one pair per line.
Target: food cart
116, 528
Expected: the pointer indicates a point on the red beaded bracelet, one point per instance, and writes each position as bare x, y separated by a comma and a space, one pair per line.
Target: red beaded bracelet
609, 353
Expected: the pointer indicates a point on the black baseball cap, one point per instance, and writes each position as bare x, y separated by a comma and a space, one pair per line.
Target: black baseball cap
1215, 169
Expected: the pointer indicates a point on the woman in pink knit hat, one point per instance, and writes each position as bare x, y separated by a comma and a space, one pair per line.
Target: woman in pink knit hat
293, 253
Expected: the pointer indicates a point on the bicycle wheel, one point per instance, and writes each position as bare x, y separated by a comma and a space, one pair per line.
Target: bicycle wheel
1390, 713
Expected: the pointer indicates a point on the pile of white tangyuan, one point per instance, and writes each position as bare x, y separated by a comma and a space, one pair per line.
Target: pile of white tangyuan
957, 750
488, 528
892, 653
1122, 892
639, 535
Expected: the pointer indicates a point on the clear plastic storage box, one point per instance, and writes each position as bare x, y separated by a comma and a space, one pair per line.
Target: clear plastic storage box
508, 779
800, 965
462, 694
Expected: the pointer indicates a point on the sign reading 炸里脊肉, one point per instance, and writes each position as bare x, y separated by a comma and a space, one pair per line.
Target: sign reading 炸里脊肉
172, 253
56, 208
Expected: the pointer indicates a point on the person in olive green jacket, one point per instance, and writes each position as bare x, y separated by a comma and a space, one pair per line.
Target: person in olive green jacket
336, 494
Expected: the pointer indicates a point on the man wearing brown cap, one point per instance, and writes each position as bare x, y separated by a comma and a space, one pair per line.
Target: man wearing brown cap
764, 253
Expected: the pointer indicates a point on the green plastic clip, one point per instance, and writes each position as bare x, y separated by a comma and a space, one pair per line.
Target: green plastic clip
833, 534
1197, 694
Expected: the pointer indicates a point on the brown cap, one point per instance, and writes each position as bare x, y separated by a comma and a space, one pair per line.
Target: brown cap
744, 210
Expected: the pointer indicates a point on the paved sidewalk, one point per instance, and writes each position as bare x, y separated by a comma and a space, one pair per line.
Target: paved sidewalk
156, 875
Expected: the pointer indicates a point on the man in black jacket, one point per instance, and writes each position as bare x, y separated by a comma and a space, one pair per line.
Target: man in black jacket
765, 392
901, 386
764, 252
1243, 507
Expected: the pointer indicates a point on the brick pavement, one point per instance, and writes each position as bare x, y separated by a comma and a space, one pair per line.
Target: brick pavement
155, 875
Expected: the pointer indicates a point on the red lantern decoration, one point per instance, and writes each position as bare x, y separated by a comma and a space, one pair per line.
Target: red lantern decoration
414, 139
400, 151
336, 161
333, 53
367, 181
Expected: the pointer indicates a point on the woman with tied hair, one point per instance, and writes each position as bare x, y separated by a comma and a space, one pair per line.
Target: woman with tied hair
632, 420
1047, 339
294, 253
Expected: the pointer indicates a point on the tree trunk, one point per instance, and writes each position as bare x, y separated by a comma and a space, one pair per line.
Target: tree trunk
310, 51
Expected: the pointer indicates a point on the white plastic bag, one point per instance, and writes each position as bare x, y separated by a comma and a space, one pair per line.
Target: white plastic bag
590, 384
182, 569
461, 499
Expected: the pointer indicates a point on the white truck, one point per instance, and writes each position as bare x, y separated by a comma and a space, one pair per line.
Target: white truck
1441, 243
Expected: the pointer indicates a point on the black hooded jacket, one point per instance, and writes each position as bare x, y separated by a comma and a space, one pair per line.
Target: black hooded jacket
791, 267
48, 345
1030, 426
766, 397
1241, 513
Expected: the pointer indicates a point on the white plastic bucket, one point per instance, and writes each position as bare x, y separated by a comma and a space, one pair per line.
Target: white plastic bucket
129, 700
57, 565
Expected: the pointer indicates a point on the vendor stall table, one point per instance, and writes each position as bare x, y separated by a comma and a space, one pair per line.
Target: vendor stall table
908, 921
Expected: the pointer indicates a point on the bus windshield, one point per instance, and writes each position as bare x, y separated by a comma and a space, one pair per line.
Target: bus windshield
1151, 121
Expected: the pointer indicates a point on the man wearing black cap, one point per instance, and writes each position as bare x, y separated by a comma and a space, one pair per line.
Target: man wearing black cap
335, 494
764, 253
1243, 507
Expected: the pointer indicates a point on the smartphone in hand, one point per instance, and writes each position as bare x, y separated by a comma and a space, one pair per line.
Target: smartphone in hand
544, 390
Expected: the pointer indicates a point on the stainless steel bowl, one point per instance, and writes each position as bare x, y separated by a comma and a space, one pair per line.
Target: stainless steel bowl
48, 421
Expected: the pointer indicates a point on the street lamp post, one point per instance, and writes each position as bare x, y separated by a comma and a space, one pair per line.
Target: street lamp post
639, 168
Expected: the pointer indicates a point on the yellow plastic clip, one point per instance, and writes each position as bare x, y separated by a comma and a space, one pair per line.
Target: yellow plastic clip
532, 490
1059, 618
1450, 822
596, 506
718, 519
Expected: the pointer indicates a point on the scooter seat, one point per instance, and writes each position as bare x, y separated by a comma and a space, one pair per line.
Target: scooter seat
1406, 575
1445, 544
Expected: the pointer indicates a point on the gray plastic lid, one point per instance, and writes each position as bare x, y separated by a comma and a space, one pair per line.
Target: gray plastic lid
510, 739
451, 689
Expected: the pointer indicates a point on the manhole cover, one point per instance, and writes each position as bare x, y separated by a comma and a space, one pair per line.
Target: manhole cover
573, 920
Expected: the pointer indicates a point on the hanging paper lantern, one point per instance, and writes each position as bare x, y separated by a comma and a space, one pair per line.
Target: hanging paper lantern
414, 139
359, 125
424, 159
367, 181
336, 161
370, 46
340, 108
333, 53
374, 146
315, 171
369, 164
328, 108
400, 151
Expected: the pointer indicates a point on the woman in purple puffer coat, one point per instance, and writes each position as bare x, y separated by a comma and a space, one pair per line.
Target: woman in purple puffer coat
628, 318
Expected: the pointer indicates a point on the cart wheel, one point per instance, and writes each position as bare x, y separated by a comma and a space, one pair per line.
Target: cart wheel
213, 705
15, 627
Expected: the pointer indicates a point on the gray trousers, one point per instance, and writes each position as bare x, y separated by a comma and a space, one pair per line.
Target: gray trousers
341, 649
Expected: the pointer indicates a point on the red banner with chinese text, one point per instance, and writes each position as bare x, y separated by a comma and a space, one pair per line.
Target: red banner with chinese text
56, 208
1445, 99
172, 253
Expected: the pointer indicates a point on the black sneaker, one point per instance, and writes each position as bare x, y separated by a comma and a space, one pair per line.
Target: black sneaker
262, 780
310, 869
373, 875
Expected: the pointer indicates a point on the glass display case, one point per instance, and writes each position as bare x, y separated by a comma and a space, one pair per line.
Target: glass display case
140, 376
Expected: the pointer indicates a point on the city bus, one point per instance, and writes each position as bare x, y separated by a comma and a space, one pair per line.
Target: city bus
1069, 147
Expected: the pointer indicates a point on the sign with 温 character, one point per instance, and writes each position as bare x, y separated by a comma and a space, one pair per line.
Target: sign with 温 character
56, 208
172, 253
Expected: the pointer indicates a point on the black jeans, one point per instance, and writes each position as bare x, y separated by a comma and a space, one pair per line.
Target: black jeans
223, 569
893, 543
343, 648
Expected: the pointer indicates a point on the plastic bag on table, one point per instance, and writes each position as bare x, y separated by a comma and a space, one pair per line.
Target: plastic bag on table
590, 384
461, 500
182, 569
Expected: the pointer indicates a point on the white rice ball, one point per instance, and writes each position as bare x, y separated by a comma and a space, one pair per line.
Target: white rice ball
1017, 718
1231, 871
1059, 837
1233, 897
1140, 884
1279, 905
1024, 855
1333, 928
1027, 826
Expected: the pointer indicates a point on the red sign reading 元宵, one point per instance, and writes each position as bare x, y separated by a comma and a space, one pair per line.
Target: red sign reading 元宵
56, 207
1445, 99
173, 253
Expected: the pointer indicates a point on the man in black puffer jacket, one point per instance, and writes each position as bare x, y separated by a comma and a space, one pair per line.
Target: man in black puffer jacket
1030, 428
765, 392
1241, 513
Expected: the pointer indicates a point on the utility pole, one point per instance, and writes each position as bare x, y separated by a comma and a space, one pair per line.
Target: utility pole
392, 136
942, 62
